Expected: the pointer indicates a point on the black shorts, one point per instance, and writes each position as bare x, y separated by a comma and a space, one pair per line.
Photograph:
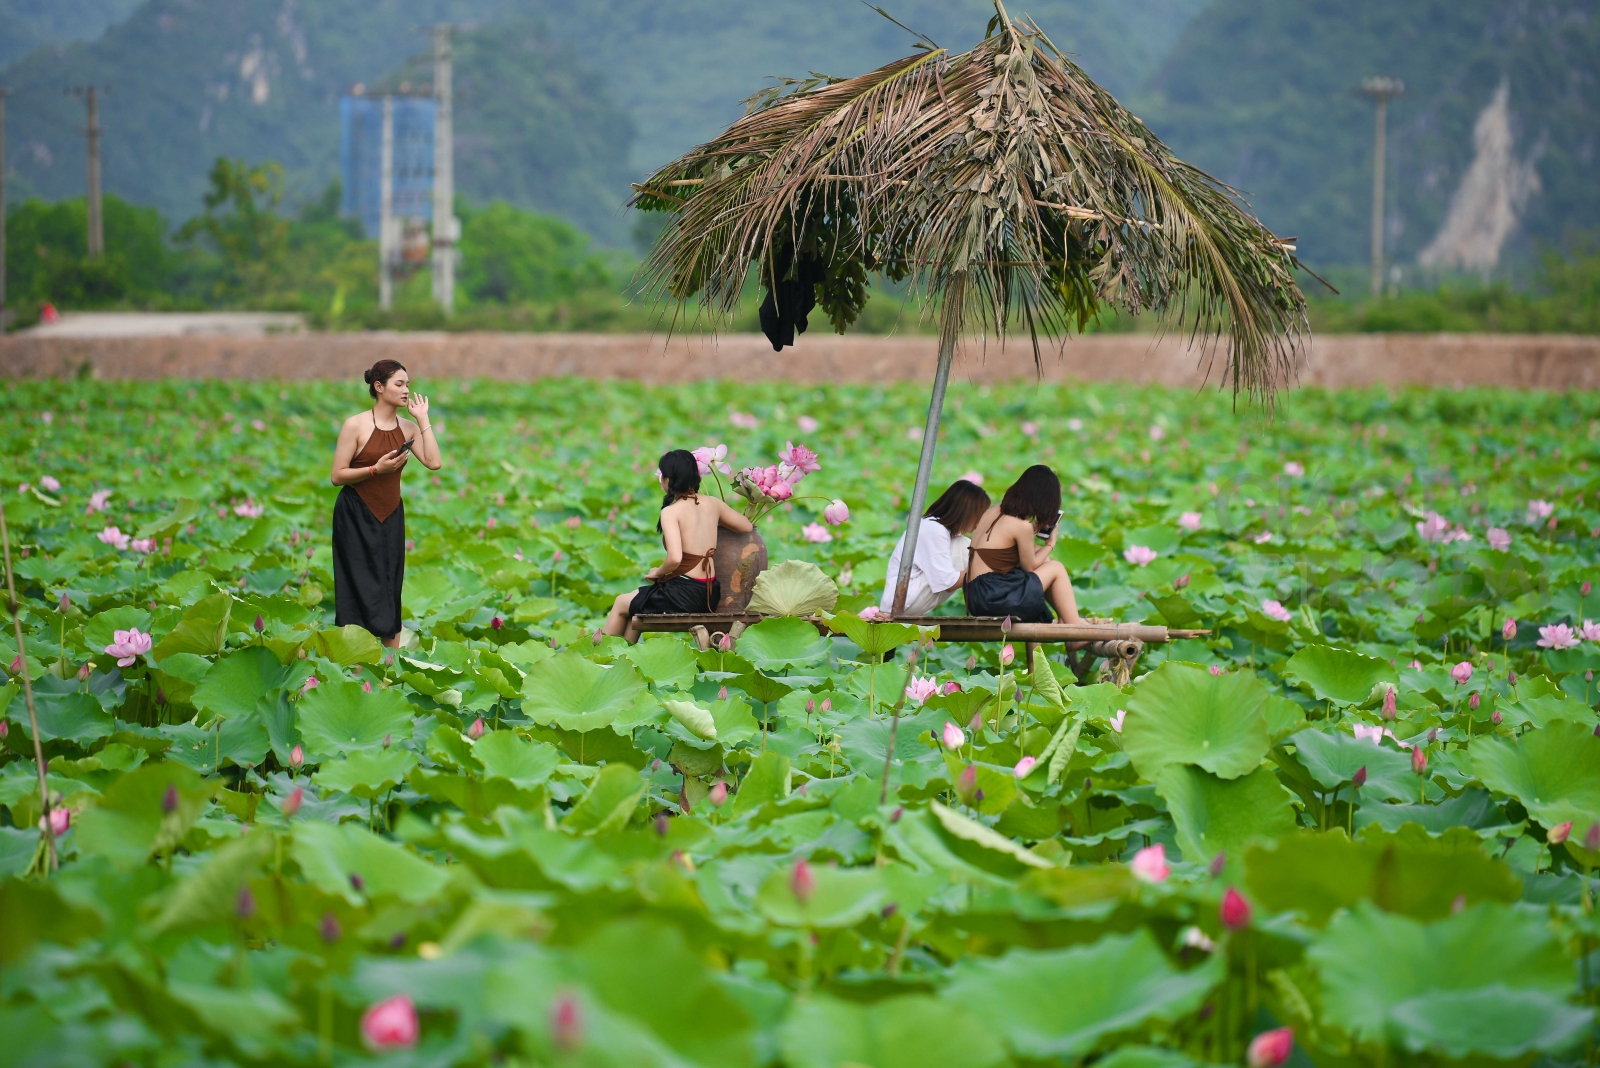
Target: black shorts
676, 596
1015, 593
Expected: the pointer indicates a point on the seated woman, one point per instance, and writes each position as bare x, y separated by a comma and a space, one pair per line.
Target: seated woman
1010, 573
940, 562
685, 581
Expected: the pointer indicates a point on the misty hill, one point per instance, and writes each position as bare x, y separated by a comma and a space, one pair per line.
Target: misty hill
1493, 146
547, 116
28, 24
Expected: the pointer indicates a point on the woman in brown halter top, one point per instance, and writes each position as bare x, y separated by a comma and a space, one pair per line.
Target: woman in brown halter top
369, 522
686, 580
1010, 573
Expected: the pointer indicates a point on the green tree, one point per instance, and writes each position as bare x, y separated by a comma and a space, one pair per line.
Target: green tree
242, 225
46, 259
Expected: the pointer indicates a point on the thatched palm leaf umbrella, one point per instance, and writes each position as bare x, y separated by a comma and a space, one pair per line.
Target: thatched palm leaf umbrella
1009, 187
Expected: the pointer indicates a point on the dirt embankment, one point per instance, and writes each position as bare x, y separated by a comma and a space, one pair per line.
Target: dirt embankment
1552, 362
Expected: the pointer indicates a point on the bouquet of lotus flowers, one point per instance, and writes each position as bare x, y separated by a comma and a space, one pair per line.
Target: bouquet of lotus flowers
764, 488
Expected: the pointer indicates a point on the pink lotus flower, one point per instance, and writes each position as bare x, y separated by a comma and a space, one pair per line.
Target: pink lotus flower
718, 795
1270, 1049
1189, 520
743, 420
1024, 767
50, 484
800, 458
710, 458
871, 611
1234, 911
1508, 630
48, 417
1590, 631
951, 687
1149, 865
566, 1023
311, 683
390, 1024
1433, 528
1538, 510
1557, 636
922, 688
97, 501
1157, 432
1275, 610
1074, 424
1216, 670
60, 820
807, 424
1030, 429
476, 730
1461, 673
1117, 720
1262, 538
1294, 469
128, 646
802, 883
113, 537
973, 477
815, 532
144, 546
954, 737
1139, 555
248, 510
836, 513
1499, 539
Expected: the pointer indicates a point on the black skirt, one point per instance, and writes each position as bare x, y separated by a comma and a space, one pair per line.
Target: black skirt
1015, 593
369, 565
677, 596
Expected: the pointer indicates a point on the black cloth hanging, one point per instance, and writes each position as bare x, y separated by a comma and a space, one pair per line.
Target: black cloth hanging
790, 300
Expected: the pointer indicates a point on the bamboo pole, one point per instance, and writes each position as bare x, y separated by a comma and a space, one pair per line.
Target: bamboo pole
48, 830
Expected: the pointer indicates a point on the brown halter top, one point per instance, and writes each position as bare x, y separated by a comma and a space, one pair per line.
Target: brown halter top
999, 560
381, 492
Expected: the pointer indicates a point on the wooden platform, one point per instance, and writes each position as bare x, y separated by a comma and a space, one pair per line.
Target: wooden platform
951, 628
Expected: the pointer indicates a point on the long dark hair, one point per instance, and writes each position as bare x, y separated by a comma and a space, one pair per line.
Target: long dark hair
380, 373
959, 507
682, 472
1036, 496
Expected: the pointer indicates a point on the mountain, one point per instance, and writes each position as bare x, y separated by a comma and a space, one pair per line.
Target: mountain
549, 93
28, 24
1491, 150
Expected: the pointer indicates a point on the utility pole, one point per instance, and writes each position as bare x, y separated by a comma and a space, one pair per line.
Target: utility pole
97, 235
446, 228
1380, 90
388, 246
2, 209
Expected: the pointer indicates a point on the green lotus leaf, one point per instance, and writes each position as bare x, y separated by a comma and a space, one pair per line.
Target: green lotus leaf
696, 720
349, 644
1215, 815
1333, 758
577, 694
1496, 1021
1339, 675
237, 681
202, 629
766, 781
1408, 872
665, 660
1062, 745
968, 829
339, 717
874, 639
1474, 809
130, 824
1045, 685
839, 897
1554, 772
912, 1031
609, 803
793, 588
367, 773
1183, 714
1064, 1003
329, 855
1373, 966
785, 642
509, 755
71, 717
239, 740
211, 894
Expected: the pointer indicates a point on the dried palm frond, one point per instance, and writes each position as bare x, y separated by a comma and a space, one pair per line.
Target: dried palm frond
1007, 185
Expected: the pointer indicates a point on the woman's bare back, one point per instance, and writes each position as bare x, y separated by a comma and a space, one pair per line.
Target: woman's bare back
696, 518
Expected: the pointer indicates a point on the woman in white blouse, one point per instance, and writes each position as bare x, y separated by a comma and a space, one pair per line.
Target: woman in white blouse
942, 545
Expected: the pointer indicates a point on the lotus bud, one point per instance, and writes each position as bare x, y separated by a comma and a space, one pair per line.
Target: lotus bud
802, 883
297, 757
972, 662
83, 673
1180, 582
976, 723
1270, 1048
1234, 911
397, 940
725, 644
390, 1024
1149, 865
1458, 904
598, 637
1024, 767
1088, 784
1359, 779
357, 883
496, 623
330, 928
811, 705
1511, 678
1419, 761
16, 665
5, 729
366, 685
65, 604
1508, 630
1216, 670
1006, 625
1559, 833
722, 693
244, 906
1389, 703
1218, 862
1591, 838
719, 795
1474, 701
292, 803
1433, 735
953, 736
60, 822
951, 687
566, 1023
388, 739
169, 800
260, 624
662, 824
1007, 653
161, 696
894, 817
1582, 590
967, 782
476, 730
1461, 673
889, 910
827, 704
1496, 717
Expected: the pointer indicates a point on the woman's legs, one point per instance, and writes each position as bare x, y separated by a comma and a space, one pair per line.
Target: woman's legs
1058, 591
617, 619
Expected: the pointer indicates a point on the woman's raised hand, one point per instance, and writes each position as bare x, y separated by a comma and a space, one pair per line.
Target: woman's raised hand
417, 405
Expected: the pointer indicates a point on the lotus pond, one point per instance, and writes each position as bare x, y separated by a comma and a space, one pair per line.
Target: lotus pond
1354, 824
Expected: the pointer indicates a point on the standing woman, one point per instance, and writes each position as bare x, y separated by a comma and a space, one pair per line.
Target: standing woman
369, 522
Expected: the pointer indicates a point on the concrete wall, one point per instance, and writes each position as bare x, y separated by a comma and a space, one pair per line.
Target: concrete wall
1553, 362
